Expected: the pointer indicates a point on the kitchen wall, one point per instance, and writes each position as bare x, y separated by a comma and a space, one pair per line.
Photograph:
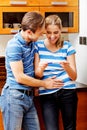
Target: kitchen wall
81, 55
3, 43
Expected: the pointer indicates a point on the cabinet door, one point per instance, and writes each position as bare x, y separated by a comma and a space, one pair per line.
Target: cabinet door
82, 109
1, 122
4, 2
10, 18
33, 2
69, 16
59, 2
19, 3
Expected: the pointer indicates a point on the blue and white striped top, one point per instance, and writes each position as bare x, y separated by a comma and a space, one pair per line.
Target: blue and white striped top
18, 50
53, 68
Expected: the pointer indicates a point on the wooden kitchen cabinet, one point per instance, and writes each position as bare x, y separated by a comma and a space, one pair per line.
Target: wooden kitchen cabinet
12, 15
39, 2
1, 122
72, 17
68, 11
58, 2
19, 2
82, 109
44, 6
2, 73
5, 3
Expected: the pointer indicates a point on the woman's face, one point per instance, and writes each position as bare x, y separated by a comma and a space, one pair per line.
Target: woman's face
53, 33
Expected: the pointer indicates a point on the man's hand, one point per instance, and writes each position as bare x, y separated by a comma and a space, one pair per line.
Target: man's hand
53, 82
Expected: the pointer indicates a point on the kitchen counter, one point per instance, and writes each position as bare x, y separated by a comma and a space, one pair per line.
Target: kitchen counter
81, 87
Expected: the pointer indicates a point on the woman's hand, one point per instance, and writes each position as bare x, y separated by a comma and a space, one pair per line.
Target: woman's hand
65, 65
40, 69
42, 65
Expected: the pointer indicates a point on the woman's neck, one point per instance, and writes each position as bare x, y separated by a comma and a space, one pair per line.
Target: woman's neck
51, 47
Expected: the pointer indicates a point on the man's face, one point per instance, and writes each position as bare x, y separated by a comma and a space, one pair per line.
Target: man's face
34, 36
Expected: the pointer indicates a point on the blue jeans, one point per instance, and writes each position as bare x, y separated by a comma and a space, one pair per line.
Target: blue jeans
63, 100
18, 110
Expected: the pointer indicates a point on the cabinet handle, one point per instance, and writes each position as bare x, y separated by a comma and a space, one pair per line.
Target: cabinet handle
18, 2
59, 3
13, 31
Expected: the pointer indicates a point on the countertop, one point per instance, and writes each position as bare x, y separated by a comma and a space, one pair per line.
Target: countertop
81, 87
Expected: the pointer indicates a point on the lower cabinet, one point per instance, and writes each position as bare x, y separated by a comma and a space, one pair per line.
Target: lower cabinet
82, 110
1, 122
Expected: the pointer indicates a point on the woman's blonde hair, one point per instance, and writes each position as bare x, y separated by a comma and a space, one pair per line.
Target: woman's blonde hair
55, 20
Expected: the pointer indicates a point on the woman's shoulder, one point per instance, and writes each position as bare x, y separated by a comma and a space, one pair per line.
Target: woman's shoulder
67, 43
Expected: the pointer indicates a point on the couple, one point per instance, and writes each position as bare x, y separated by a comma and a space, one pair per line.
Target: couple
47, 64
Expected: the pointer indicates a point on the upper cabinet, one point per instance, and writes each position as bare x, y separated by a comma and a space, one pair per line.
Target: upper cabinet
19, 3
10, 18
58, 2
69, 17
67, 10
12, 11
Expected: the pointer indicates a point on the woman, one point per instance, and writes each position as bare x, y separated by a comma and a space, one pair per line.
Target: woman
57, 58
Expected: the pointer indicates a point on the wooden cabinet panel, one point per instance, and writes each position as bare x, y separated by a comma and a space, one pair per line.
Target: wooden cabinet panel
1, 122
19, 2
74, 10
4, 2
82, 110
59, 2
39, 2
33, 2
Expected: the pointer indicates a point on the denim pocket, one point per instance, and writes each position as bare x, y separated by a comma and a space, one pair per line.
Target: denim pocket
16, 94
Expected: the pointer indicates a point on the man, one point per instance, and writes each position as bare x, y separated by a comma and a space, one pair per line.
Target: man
17, 95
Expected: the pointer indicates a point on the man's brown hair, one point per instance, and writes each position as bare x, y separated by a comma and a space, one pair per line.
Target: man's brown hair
32, 21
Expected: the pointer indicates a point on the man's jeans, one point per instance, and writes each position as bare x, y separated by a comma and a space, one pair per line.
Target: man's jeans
18, 110
64, 100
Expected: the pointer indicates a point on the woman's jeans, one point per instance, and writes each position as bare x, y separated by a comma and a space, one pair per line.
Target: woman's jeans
18, 110
64, 100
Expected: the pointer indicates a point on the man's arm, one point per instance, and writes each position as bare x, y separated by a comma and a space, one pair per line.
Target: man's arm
17, 69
